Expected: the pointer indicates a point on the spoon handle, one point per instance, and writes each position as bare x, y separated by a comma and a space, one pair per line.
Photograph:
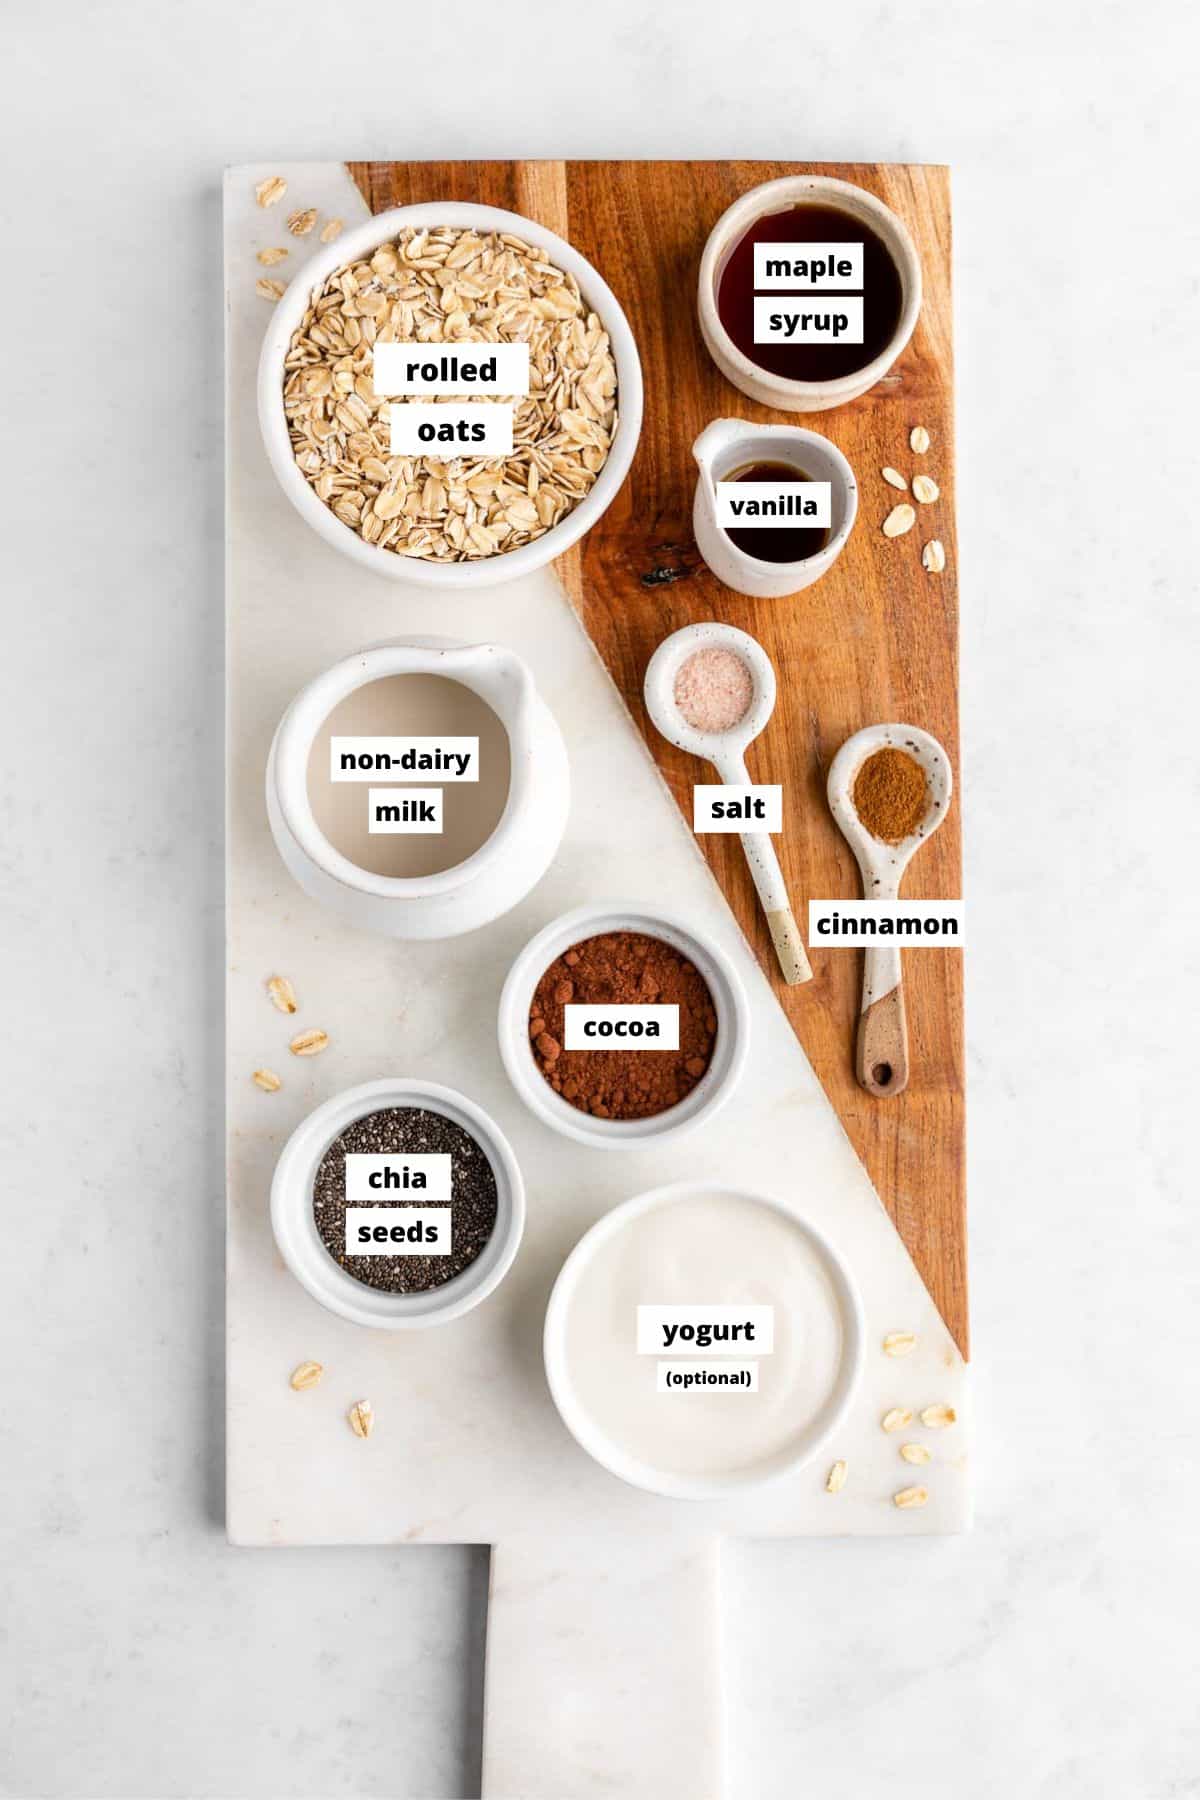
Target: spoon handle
882, 1061
772, 890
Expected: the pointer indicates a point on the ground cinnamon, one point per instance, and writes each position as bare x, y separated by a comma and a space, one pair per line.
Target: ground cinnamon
623, 968
891, 795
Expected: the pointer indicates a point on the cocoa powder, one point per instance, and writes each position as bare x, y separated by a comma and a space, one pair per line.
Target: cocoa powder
623, 968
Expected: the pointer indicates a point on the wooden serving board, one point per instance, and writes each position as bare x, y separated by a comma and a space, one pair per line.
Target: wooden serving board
876, 639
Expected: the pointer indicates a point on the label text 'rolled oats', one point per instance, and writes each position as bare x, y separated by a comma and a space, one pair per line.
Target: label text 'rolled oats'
444, 428
458, 369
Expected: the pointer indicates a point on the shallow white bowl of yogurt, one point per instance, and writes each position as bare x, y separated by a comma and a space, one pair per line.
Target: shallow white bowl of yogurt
702, 1246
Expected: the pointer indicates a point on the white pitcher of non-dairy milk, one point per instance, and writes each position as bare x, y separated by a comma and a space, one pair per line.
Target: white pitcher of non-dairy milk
765, 559
419, 788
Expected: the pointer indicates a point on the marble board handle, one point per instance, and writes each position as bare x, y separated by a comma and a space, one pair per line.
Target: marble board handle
601, 1671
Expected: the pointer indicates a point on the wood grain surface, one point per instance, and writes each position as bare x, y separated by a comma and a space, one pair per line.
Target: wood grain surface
876, 639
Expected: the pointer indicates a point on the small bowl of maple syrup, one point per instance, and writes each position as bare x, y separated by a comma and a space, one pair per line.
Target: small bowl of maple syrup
774, 506
810, 289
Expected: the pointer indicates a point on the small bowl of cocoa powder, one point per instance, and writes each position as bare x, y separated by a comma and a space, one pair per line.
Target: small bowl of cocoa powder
599, 1074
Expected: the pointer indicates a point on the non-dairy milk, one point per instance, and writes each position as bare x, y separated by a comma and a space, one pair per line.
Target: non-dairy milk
411, 706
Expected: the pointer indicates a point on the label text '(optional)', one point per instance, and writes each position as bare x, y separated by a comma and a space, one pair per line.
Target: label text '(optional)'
917, 924
692, 1377
630, 1027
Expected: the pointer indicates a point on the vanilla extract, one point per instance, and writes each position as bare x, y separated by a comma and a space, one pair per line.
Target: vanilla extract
788, 542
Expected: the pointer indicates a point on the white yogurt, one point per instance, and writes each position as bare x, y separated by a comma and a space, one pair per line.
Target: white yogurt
702, 1247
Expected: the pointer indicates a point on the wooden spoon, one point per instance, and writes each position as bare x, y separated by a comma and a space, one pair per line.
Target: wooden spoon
881, 1064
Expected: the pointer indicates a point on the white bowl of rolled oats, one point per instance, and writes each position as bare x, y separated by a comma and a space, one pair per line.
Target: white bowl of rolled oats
452, 274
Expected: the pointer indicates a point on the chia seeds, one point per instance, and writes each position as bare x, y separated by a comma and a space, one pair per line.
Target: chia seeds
397, 1131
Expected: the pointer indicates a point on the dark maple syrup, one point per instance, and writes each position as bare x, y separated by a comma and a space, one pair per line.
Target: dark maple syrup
883, 297
771, 543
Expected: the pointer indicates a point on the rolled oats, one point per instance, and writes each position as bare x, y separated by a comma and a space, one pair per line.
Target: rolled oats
270, 191
432, 287
301, 223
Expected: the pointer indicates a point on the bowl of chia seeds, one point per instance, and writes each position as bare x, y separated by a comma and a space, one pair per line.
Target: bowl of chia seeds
398, 1204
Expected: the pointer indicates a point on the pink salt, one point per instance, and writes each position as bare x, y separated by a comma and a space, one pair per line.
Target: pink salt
713, 689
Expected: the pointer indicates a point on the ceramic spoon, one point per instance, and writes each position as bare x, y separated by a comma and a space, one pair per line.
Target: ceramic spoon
726, 751
882, 1060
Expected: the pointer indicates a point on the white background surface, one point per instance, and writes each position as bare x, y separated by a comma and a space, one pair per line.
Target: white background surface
1052, 1652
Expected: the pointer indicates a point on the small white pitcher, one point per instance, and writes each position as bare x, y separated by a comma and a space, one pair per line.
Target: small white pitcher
502, 871
730, 444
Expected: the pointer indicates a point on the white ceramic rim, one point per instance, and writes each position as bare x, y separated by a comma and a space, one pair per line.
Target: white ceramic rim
658, 689
829, 552
305, 1254
772, 196
309, 711
507, 564
711, 1091
644, 1475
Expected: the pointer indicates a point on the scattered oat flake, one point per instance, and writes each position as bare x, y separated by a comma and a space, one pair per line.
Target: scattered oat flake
283, 994
925, 489
895, 479
329, 231
268, 258
933, 556
902, 518
937, 1417
899, 1343
268, 289
362, 1418
911, 1496
301, 223
270, 191
914, 1453
918, 440
896, 1419
309, 1043
306, 1375
835, 1481
267, 1080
